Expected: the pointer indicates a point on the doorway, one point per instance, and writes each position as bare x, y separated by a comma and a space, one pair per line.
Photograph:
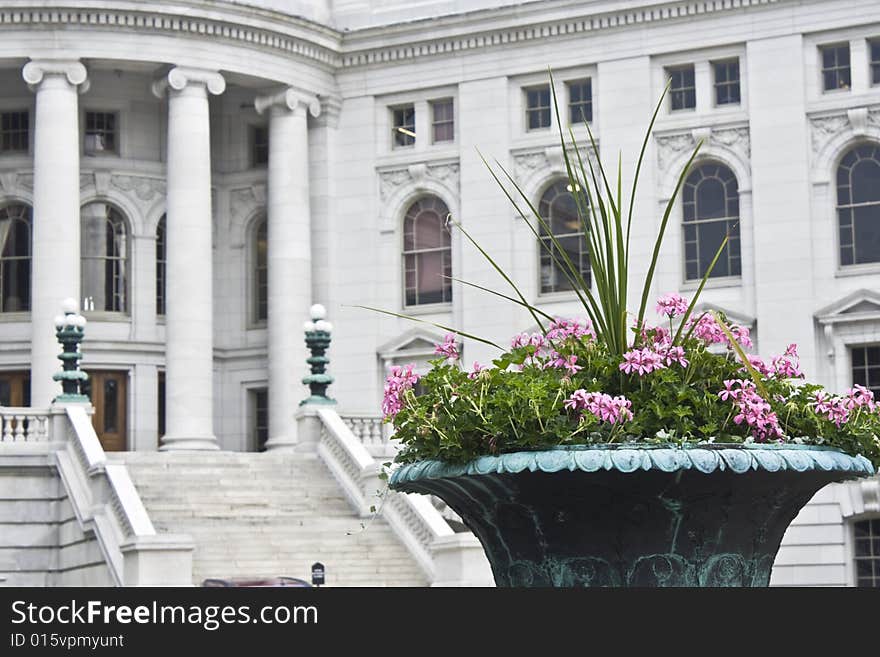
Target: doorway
108, 392
15, 389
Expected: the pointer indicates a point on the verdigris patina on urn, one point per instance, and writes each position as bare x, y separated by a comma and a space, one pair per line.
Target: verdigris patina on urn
633, 515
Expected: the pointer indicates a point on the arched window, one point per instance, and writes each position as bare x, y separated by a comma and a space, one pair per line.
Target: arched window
711, 210
104, 250
858, 205
427, 253
160, 267
558, 209
15, 258
260, 259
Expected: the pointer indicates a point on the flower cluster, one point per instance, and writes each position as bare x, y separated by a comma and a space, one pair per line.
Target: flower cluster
400, 379
603, 406
785, 366
664, 383
838, 409
448, 347
672, 305
560, 329
754, 410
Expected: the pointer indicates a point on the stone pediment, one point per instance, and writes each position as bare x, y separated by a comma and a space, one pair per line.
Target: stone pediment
416, 341
858, 306
733, 316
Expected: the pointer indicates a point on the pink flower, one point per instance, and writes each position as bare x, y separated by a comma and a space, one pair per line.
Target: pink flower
569, 364
859, 396
753, 409
448, 348
603, 406
643, 361
706, 329
670, 355
835, 409
741, 333
400, 379
477, 369
560, 329
672, 305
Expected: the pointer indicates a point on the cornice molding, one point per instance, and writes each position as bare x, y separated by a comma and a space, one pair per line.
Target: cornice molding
289, 35
470, 31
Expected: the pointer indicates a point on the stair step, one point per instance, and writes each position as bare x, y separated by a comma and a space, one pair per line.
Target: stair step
267, 515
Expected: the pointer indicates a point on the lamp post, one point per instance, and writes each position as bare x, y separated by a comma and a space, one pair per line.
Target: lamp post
70, 330
318, 341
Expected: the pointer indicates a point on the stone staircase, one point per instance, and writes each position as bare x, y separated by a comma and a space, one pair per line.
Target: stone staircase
266, 515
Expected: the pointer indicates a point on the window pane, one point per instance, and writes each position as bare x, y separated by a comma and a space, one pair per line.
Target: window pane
835, 67
261, 272
15, 258
104, 258
559, 211
710, 199
427, 254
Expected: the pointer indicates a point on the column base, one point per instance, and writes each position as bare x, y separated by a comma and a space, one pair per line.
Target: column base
189, 443
281, 444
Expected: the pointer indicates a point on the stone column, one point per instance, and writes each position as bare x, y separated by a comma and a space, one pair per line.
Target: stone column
289, 255
55, 261
189, 367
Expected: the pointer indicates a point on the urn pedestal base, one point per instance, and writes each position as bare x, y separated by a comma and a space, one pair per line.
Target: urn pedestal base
632, 517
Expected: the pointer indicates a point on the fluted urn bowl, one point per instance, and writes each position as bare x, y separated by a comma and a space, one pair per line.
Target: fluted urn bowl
633, 514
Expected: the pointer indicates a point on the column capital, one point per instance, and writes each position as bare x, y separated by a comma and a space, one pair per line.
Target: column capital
179, 77
35, 71
289, 99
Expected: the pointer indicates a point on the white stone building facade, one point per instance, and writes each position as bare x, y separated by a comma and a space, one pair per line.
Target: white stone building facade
200, 173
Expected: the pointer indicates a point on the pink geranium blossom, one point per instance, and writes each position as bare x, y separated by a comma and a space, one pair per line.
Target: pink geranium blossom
477, 369
560, 329
400, 379
753, 410
672, 305
601, 405
642, 361
448, 347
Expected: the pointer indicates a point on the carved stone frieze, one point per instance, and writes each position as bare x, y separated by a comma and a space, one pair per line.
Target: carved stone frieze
527, 163
856, 120
671, 146
391, 180
142, 188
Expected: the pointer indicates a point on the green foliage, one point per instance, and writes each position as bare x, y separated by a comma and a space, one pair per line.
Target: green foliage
461, 416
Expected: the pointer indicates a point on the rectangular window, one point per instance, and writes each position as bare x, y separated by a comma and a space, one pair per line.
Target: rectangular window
580, 101
867, 552
259, 146
442, 120
100, 133
14, 132
682, 90
866, 367
538, 107
835, 67
403, 126
726, 82
874, 49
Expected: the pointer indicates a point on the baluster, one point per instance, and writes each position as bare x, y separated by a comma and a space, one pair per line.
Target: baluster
376, 427
7, 428
42, 428
19, 428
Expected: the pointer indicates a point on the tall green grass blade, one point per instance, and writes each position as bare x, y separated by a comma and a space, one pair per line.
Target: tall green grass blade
756, 377
503, 296
441, 326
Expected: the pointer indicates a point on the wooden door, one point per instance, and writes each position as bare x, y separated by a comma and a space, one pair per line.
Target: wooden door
15, 388
109, 394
